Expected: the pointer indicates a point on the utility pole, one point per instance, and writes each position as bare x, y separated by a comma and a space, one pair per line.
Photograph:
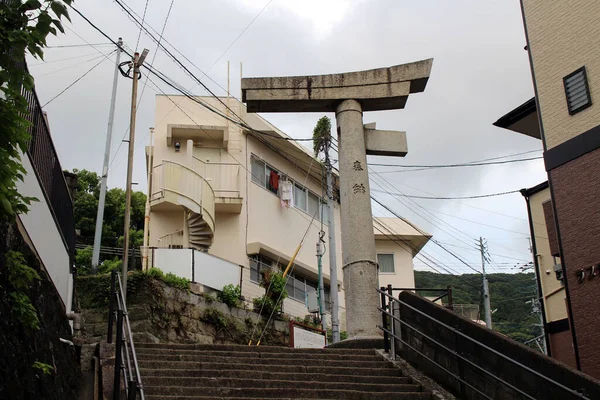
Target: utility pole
135, 65
333, 287
321, 290
486, 289
147, 210
103, 183
538, 300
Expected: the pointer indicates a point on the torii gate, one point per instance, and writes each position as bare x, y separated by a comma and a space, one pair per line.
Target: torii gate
349, 94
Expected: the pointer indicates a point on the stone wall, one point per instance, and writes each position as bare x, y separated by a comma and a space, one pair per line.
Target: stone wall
159, 312
422, 347
20, 348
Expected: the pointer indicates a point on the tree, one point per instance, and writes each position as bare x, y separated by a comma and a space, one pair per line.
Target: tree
321, 135
24, 27
86, 209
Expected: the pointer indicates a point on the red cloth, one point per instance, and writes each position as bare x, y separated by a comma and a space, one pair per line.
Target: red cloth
274, 181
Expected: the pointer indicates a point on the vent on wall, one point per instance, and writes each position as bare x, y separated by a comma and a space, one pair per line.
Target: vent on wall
577, 91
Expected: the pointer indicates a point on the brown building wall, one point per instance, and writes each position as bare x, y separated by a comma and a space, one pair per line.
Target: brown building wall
576, 187
561, 346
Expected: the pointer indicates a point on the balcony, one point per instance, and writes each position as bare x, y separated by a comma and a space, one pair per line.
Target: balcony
175, 186
223, 177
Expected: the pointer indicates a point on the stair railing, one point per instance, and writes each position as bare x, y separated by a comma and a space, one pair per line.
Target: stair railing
126, 363
395, 332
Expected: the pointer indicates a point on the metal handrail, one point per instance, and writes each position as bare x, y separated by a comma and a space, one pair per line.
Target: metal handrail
387, 311
125, 356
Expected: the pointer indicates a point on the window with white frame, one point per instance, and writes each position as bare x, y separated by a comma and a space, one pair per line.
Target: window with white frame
386, 263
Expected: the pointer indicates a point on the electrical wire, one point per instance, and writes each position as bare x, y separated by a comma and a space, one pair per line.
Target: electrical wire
74, 82
105, 55
78, 45
480, 196
452, 165
140, 33
62, 59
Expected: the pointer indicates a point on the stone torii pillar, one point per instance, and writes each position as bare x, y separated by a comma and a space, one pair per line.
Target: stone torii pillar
349, 95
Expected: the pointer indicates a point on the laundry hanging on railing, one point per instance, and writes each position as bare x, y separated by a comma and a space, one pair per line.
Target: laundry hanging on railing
274, 182
287, 194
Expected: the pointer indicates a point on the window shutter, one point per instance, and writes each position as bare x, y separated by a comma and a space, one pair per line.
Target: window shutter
577, 91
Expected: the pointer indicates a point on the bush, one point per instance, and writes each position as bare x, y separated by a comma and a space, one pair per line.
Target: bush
230, 295
83, 260
177, 282
155, 273
108, 266
264, 305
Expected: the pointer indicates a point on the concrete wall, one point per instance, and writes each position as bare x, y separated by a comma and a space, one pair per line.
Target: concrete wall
562, 38
493, 362
45, 235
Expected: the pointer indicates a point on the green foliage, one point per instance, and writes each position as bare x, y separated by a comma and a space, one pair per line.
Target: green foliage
83, 260
275, 293
45, 368
20, 278
107, 266
24, 26
321, 135
176, 281
155, 273
509, 294
86, 208
343, 335
230, 295
215, 317
210, 298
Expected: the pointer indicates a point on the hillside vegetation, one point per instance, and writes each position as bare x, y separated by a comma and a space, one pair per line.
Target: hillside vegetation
510, 296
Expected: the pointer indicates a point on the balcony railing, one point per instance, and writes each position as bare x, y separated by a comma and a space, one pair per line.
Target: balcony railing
181, 185
45, 161
222, 176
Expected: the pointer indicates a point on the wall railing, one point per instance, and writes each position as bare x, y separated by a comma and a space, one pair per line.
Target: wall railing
126, 364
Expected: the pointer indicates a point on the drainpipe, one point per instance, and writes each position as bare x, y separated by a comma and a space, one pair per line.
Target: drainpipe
76, 318
147, 213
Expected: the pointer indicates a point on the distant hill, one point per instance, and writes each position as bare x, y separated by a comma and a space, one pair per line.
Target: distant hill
509, 295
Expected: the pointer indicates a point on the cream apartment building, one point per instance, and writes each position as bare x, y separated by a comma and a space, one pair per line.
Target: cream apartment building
220, 192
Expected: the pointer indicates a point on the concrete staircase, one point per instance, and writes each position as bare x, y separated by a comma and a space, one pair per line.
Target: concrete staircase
178, 372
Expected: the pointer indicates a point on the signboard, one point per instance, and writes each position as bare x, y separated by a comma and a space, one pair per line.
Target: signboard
306, 337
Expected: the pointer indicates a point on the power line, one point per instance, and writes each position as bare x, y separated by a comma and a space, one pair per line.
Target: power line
454, 198
143, 18
74, 82
77, 45
75, 65
59, 60
451, 165
240, 35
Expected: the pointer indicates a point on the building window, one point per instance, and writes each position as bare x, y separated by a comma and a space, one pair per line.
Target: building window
577, 91
258, 171
386, 263
258, 263
270, 178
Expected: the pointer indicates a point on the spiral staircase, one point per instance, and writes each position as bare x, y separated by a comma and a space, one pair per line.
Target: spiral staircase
178, 187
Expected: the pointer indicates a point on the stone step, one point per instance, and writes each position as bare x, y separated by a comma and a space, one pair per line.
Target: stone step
182, 392
182, 358
191, 384
383, 369
254, 349
149, 374
228, 353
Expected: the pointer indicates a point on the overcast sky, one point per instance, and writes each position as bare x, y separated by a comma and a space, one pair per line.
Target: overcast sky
480, 72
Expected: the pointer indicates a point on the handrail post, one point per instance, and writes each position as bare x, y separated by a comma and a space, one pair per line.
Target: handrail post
111, 306
118, 366
386, 345
133, 388
392, 339
450, 305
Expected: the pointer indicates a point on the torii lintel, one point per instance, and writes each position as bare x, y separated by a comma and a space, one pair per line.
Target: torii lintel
375, 89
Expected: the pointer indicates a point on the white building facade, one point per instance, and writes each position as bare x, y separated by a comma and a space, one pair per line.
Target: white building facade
244, 199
